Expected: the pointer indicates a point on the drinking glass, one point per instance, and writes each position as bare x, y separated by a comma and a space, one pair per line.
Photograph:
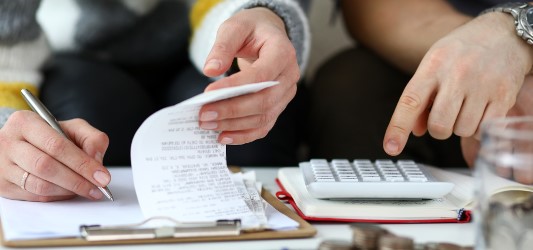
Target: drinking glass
504, 185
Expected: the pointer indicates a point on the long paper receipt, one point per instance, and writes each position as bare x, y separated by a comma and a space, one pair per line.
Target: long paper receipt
180, 170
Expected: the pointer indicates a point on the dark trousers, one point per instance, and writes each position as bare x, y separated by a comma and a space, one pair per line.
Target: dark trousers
352, 98
117, 99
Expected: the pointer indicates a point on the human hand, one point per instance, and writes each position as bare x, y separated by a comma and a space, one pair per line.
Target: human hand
470, 145
471, 75
58, 168
257, 38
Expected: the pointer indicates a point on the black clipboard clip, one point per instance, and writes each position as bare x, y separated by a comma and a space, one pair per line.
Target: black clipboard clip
177, 230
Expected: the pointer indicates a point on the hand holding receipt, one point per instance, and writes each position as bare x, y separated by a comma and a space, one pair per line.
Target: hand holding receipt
43, 112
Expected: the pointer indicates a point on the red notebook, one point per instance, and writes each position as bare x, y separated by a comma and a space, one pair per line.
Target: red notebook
453, 208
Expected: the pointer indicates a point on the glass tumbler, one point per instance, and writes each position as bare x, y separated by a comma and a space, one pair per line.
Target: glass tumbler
504, 185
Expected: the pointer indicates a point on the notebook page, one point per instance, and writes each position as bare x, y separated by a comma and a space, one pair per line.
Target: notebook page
41, 220
462, 195
23, 220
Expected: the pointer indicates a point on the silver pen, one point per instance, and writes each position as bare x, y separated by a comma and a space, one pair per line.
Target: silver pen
44, 113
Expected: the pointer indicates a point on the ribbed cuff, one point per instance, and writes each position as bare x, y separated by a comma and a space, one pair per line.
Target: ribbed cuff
295, 22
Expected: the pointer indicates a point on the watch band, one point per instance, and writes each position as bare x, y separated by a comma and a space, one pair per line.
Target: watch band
519, 11
512, 8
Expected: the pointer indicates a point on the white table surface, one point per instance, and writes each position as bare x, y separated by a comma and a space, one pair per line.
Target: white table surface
458, 233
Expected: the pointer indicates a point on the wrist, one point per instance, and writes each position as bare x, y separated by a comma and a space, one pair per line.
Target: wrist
517, 20
295, 23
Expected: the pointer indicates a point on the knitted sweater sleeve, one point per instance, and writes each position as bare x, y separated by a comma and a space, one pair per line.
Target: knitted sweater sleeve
23, 49
208, 15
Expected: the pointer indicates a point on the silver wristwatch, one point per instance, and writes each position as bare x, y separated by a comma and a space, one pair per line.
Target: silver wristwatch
523, 16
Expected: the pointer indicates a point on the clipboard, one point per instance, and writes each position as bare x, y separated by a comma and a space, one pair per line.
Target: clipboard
303, 231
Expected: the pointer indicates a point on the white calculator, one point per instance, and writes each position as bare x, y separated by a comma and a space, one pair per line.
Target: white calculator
365, 179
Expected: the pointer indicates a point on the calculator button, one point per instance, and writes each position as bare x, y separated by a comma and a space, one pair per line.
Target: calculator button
394, 178
318, 161
417, 179
371, 178
340, 161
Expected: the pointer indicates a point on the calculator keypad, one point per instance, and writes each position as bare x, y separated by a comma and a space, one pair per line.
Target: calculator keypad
366, 179
366, 171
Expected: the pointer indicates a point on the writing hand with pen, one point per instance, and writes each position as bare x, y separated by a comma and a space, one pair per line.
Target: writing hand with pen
39, 163
59, 168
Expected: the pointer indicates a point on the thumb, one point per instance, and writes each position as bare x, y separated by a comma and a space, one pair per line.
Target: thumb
224, 50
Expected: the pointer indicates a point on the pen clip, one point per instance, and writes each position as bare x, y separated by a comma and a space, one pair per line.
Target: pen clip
177, 230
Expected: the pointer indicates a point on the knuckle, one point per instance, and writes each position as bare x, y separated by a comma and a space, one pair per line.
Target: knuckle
78, 186
505, 96
247, 138
263, 132
411, 101
18, 117
78, 121
291, 52
4, 187
438, 130
83, 166
4, 142
101, 137
295, 75
262, 120
98, 137
263, 75
462, 131
399, 129
231, 111
229, 24
435, 58
15, 121
220, 47
43, 165
267, 104
55, 145
43, 187
293, 91
270, 118
462, 70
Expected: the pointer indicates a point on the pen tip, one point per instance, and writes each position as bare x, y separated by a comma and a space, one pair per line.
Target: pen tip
107, 193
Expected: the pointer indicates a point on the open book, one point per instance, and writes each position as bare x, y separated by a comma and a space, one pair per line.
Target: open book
454, 207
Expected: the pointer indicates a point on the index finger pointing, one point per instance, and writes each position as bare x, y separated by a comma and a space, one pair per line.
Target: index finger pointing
413, 101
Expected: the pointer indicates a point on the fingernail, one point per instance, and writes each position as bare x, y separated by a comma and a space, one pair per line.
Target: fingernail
99, 157
213, 64
209, 125
101, 178
208, 116
392, 147
96, 194
226, 140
